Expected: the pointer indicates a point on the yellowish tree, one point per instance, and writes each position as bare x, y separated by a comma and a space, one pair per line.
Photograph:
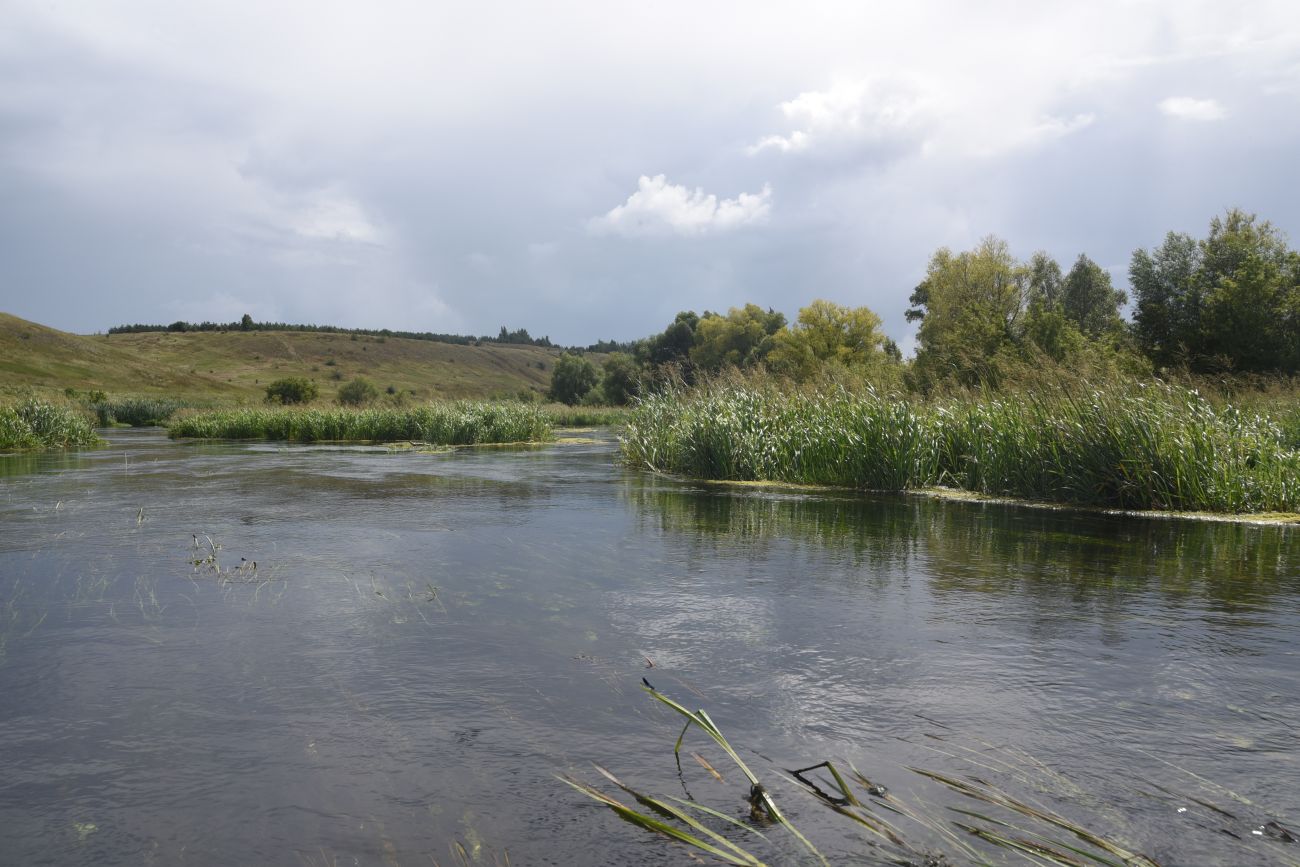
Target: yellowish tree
828, 334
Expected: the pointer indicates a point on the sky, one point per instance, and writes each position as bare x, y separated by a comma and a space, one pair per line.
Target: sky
587, 169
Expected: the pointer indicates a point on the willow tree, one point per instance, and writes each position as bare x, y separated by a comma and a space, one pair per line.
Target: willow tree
970, 306
829, 335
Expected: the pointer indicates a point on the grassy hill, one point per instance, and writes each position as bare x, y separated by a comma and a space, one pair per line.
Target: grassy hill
235, 366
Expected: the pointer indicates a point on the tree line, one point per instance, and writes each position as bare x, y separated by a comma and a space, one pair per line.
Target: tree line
519, 336
1225, 303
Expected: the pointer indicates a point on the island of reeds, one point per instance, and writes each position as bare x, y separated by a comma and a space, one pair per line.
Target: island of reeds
449, 423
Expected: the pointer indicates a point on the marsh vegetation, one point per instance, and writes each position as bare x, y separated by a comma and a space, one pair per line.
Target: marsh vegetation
39, 424
1130, 446
450, 423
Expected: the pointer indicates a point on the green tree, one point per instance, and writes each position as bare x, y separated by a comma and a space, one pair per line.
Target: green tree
1089, 300
828, 334
246, 323
292, 389
971, 308
358, 392
1228, 302
742, 337
673, 346
572, 378
1167, 297
620, 380
1045, 282
1251, 281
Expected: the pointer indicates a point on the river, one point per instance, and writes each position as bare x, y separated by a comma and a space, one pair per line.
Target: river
428, 642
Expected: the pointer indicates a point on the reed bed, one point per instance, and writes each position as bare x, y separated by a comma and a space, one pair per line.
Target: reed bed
39, 424
136, 411
452, 423
1149, 446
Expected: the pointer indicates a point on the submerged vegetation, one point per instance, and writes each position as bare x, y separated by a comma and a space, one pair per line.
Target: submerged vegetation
452, 423
1132, 446
39, 424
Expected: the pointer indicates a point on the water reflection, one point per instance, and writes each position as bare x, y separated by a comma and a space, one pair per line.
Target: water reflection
989, 548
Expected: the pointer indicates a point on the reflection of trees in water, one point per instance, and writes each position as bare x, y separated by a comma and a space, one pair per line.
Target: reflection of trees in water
877, 532
993, 547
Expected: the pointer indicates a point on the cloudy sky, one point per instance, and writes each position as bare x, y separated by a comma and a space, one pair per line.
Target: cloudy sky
588, 170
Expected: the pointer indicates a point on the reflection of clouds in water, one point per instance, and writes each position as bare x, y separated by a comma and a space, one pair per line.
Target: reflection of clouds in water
682, 627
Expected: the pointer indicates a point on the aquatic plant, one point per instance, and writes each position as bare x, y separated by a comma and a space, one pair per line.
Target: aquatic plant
37, 424
1127, 446
901, 830
135, 411
452, 423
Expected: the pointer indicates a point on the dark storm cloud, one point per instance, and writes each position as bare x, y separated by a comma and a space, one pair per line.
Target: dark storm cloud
589, 172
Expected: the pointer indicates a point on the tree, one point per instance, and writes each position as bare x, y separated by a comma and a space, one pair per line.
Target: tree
620, 380
971, 306
673, 346
358, 392
1251, 284
1167, 298
1089, 301
742, 337
828, 334
1045, 282
572, 378
1229, 301
246, 323
292, 389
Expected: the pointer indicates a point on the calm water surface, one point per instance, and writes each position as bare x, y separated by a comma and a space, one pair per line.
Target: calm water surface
427, 641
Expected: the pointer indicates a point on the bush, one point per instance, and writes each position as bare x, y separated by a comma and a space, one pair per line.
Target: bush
359, 392
292, 389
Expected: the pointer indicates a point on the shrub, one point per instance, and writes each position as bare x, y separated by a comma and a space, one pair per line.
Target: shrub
292, 389
359, 392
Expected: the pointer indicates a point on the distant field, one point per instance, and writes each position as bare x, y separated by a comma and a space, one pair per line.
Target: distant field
235, 366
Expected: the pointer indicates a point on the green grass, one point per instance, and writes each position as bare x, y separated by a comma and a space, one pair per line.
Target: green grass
38, 424
451, 423
235, 366
1126, 446
586, 416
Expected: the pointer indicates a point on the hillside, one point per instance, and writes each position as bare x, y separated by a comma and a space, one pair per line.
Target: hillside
237, 365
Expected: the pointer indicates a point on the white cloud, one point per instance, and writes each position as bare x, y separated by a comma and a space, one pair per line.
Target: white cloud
658, 207
853, 112
332, 217
1190, 108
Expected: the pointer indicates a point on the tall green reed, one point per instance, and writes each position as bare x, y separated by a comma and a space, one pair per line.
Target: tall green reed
1148, 446
453, 423
136, 411
36, 424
